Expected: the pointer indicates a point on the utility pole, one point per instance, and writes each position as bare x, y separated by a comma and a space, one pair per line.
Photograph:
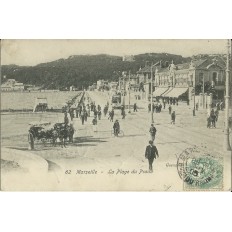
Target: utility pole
194, 97
203, 90
152, 118
124, 92
230, 106
129, 94
227, 97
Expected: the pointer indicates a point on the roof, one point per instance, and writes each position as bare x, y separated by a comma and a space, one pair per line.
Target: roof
147, 69
196, 62
183, 66
199, 62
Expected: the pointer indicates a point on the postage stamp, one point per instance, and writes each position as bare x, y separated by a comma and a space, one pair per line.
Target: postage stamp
200, 170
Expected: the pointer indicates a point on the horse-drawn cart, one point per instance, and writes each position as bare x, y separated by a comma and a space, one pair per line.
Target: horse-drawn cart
50, 133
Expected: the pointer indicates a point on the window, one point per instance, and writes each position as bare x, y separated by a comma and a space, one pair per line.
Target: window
201, 76
215, 78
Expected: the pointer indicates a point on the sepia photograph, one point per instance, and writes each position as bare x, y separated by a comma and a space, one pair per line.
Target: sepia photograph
116, 115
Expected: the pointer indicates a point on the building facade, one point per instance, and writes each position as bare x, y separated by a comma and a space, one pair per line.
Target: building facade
204, 78
12, 85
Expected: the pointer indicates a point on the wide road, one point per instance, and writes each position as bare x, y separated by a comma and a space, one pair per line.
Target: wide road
119, 161
116, 157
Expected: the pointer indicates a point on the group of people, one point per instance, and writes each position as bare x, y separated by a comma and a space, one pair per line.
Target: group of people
155, 107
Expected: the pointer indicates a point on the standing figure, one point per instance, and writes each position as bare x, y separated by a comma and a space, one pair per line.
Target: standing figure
151, 153
123, 114
152, 132
112, 115
208, 121
135, 107
169, 109
173, 117
30, 140
105, 110
82, 117
66, 120
94, 122
71, 131
116, 127
216, 112
99, 115
86, 115
213, 118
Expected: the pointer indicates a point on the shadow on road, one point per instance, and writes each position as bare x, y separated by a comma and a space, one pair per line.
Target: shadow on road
88, 139
136, 135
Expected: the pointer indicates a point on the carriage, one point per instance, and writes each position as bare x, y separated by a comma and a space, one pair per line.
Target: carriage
116, 100
50, 133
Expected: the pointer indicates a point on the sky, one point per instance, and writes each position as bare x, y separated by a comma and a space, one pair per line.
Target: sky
33, 52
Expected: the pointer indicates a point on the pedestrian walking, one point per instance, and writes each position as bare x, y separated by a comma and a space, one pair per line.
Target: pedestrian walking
99, 115
164, 102
173, 117
82, 117
123, 114
208, 122
135, 107
105, 110
216, 112
151, 153
94, 122
116, 128
71, 133
213, 118
77, 112
170, 109
86, 115
152, 132
30, 140
197, 106
66, 120
112, 115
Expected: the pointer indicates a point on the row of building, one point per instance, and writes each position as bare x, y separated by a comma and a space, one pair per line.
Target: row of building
199, 77
12, 85
201, 80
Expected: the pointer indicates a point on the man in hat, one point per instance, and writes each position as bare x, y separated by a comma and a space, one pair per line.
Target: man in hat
151, 153
152, 132
173, 117
116, 127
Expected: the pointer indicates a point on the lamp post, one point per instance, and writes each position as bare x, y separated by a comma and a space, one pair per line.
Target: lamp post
226, 129
203, 91
152, 118
194, 97
124, 92
129, 94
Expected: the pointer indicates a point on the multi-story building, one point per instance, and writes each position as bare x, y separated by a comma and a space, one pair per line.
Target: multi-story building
204, 77
12, 85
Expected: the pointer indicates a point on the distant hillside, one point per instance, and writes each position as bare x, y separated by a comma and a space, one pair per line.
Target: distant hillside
82, 70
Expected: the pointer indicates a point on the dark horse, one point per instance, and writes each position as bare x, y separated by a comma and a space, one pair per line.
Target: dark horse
64, 132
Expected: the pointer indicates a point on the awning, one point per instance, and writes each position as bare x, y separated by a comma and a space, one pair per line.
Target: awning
176, 92
167, 92
159, 91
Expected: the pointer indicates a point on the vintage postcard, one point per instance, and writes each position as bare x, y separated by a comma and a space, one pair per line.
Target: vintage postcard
116, 115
